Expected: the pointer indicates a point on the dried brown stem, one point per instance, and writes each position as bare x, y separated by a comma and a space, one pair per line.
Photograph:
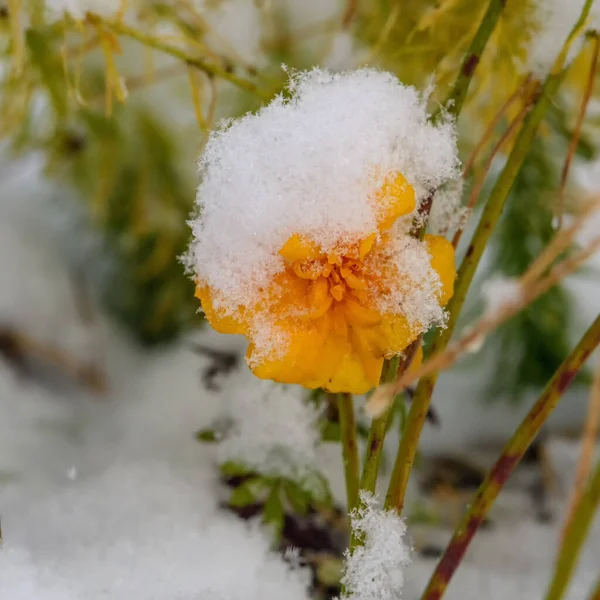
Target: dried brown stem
589, 88
588, 443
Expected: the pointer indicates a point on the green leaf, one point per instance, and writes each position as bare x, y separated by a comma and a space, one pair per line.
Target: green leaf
330, 432
247, 492
297, 497
233, 469
207, 435
274, 513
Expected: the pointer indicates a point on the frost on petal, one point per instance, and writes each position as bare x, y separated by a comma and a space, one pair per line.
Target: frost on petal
270, 428
375, 569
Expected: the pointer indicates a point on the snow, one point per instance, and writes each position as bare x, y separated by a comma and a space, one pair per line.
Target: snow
374, 571
554, 20
78, 8
312, 165
140, 519
500, 291
270, 428
447, 211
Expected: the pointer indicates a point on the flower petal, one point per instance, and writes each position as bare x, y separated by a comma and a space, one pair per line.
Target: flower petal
442, 261
395, 199
394, 334
299, 248
219, 321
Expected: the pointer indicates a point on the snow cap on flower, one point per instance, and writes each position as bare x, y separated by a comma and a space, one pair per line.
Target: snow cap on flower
303, 230
375, 569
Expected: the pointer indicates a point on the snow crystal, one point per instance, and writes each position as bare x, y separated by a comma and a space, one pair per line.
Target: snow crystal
554, 21
271, 428
146, 531
374, 570
78, 8
311, 165
499, 291
447, 211
21, 579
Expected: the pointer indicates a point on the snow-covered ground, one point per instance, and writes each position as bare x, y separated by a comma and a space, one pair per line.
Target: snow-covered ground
110, 496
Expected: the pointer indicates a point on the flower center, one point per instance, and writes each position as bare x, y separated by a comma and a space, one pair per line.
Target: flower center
338, 279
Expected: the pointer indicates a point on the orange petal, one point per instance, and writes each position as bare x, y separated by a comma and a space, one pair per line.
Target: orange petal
312, 355
299, 248
394, 334
395, 199
219, 321
354, 282
366, 246
357, 314
319, 299
442, 261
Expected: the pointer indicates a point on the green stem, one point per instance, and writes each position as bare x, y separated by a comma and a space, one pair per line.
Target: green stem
349, 447
595, 594
377, 432
509, 459
489, 219
457, 96
575, 536
407, 449
203, 65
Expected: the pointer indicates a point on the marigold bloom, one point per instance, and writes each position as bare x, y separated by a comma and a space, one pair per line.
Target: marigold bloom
302, 242
326, 303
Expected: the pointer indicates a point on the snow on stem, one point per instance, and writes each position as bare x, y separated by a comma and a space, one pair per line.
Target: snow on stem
575, 536
511, 456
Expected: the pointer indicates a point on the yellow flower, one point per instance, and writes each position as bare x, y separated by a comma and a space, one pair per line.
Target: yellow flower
326, 304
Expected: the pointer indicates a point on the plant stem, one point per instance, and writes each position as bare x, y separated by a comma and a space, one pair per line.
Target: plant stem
575, 536
193, 61
349, 447
457, 96
595, 595
509, 459
408, 444
489, 218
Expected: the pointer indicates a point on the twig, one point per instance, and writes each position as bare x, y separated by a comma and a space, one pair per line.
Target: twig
445, 359
561, 241
489, 218
522, 90
349, 13
575, 536
208, 67
588, 442
595, 594
16, 347
476, 190
349, 447
511, 456
457, 96
578, 126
